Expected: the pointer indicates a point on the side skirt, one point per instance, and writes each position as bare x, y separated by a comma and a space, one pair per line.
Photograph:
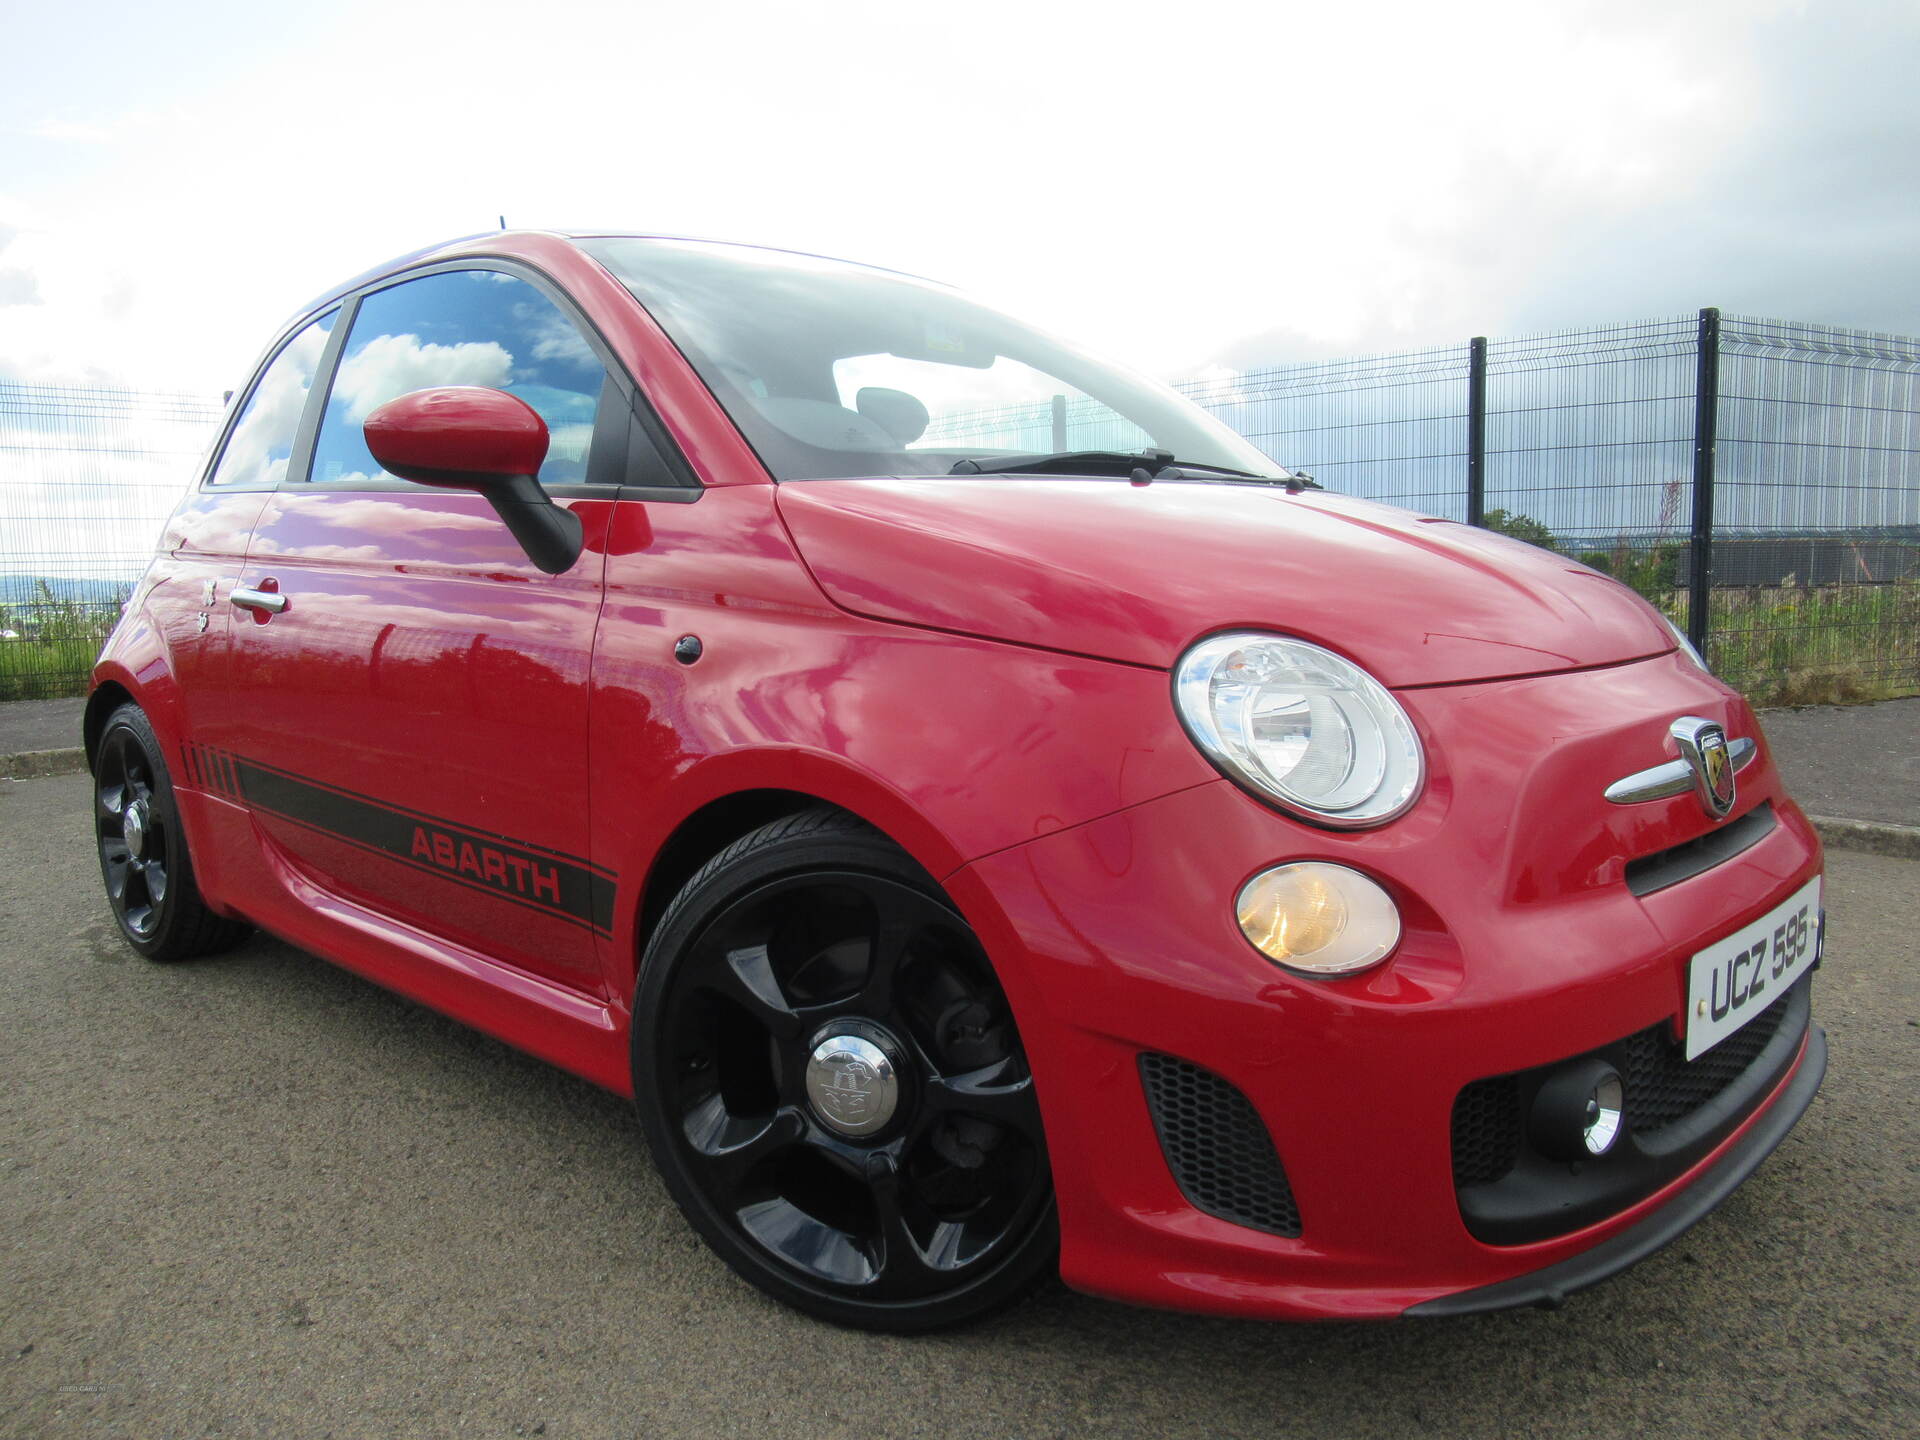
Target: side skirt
242, 874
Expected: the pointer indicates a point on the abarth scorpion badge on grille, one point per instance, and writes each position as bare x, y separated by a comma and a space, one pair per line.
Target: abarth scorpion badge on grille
1703, 745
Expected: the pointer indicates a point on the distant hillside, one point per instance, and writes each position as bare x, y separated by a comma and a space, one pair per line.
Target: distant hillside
15, 589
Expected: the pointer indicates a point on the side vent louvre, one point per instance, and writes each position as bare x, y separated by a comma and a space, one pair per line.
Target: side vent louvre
1219, 1152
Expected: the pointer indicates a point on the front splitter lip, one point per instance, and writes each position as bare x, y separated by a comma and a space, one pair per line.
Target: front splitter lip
1550, 1287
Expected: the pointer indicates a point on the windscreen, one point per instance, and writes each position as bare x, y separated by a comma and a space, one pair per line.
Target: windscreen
833, 370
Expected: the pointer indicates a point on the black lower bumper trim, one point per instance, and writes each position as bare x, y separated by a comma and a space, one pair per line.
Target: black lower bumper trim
1551, 1286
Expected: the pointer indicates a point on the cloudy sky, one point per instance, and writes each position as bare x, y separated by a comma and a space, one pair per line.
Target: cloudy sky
1179, 185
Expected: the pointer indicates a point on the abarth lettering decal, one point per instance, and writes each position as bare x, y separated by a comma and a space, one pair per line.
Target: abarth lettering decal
550, 881
486, 864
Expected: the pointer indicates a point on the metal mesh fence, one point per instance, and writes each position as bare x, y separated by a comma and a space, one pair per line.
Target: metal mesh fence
1816, 544
1763, 472
1767, 472
1386, 427
87, 477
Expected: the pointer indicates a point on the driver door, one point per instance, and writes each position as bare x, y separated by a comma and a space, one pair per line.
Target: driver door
411, 727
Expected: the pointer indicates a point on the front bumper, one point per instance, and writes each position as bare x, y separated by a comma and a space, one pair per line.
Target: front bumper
1550, 1287
1523, 946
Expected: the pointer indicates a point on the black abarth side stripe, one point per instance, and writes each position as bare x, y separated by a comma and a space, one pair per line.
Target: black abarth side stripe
454, 879
492, 836
534, 877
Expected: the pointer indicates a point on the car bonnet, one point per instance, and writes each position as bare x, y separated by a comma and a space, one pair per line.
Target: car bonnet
1136, 573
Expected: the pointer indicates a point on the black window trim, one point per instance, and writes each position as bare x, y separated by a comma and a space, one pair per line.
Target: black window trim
649, 450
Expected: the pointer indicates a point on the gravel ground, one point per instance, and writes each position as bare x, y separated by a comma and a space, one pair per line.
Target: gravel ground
39, 725
256, 1196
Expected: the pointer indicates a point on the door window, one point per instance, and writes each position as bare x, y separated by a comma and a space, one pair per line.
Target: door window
262, 439
462, 327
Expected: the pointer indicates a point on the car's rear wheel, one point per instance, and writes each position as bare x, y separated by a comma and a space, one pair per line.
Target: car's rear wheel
833, 1087
143, 848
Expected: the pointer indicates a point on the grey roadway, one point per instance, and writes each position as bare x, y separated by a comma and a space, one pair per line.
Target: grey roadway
256, 1196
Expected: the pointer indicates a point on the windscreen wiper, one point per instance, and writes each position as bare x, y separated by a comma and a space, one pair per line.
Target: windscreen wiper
1091, 462
1139, 465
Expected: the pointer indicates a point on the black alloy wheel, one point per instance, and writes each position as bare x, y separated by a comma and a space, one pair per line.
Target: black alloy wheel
143, 849
833, 1086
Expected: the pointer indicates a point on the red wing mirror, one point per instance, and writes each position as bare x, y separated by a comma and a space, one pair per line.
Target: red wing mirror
466, 437
457, 434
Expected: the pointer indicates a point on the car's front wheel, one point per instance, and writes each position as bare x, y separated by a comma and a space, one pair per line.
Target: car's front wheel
833, 1087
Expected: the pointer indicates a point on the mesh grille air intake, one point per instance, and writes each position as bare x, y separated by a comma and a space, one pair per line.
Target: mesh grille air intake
1664, 1086
1220, 1154
1489, 1126
1486, 1130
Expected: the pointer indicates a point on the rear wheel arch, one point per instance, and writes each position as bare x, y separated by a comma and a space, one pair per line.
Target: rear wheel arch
107, 697
146, 680
140, 833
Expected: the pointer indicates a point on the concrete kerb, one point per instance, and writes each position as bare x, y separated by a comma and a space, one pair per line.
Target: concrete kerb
38, 764
1874, 837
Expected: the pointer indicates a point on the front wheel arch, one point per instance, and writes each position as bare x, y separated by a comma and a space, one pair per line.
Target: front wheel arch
969, 1091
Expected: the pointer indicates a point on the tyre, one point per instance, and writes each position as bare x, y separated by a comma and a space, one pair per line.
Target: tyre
832, 1085
143, 848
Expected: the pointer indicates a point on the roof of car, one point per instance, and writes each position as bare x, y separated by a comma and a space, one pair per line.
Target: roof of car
399, 262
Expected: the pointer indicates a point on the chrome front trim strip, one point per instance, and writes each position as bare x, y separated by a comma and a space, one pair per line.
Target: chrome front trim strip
1673, 778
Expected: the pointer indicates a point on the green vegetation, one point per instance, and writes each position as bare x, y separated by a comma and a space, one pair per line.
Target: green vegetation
1520, 527
48, 644
1816, 645
1780, 644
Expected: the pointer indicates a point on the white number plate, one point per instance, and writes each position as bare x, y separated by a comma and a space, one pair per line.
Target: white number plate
1734, 979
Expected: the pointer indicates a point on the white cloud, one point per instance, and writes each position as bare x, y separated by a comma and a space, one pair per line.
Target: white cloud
1338, 178
394, 365
554, 336
73, 131
19, 287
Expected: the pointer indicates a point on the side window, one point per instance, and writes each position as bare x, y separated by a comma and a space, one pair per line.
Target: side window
462, 327
262, 439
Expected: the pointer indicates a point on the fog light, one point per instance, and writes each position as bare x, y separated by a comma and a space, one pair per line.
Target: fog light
1579, 1112
1318, 918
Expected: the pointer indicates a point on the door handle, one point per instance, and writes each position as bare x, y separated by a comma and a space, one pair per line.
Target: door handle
246, 598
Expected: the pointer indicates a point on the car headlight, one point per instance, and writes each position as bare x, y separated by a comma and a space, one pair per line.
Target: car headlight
1300, 727
1686, 645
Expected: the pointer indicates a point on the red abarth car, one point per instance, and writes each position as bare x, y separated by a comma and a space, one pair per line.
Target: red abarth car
988, 816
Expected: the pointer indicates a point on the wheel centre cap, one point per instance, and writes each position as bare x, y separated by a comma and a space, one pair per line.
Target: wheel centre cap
853, 1085
133, 829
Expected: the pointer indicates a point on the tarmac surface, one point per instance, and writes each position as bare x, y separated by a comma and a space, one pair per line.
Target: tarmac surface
256, 1196
28, 725
1858, 762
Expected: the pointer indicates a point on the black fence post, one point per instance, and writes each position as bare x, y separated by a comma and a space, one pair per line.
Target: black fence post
1477, 430
1706, 427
